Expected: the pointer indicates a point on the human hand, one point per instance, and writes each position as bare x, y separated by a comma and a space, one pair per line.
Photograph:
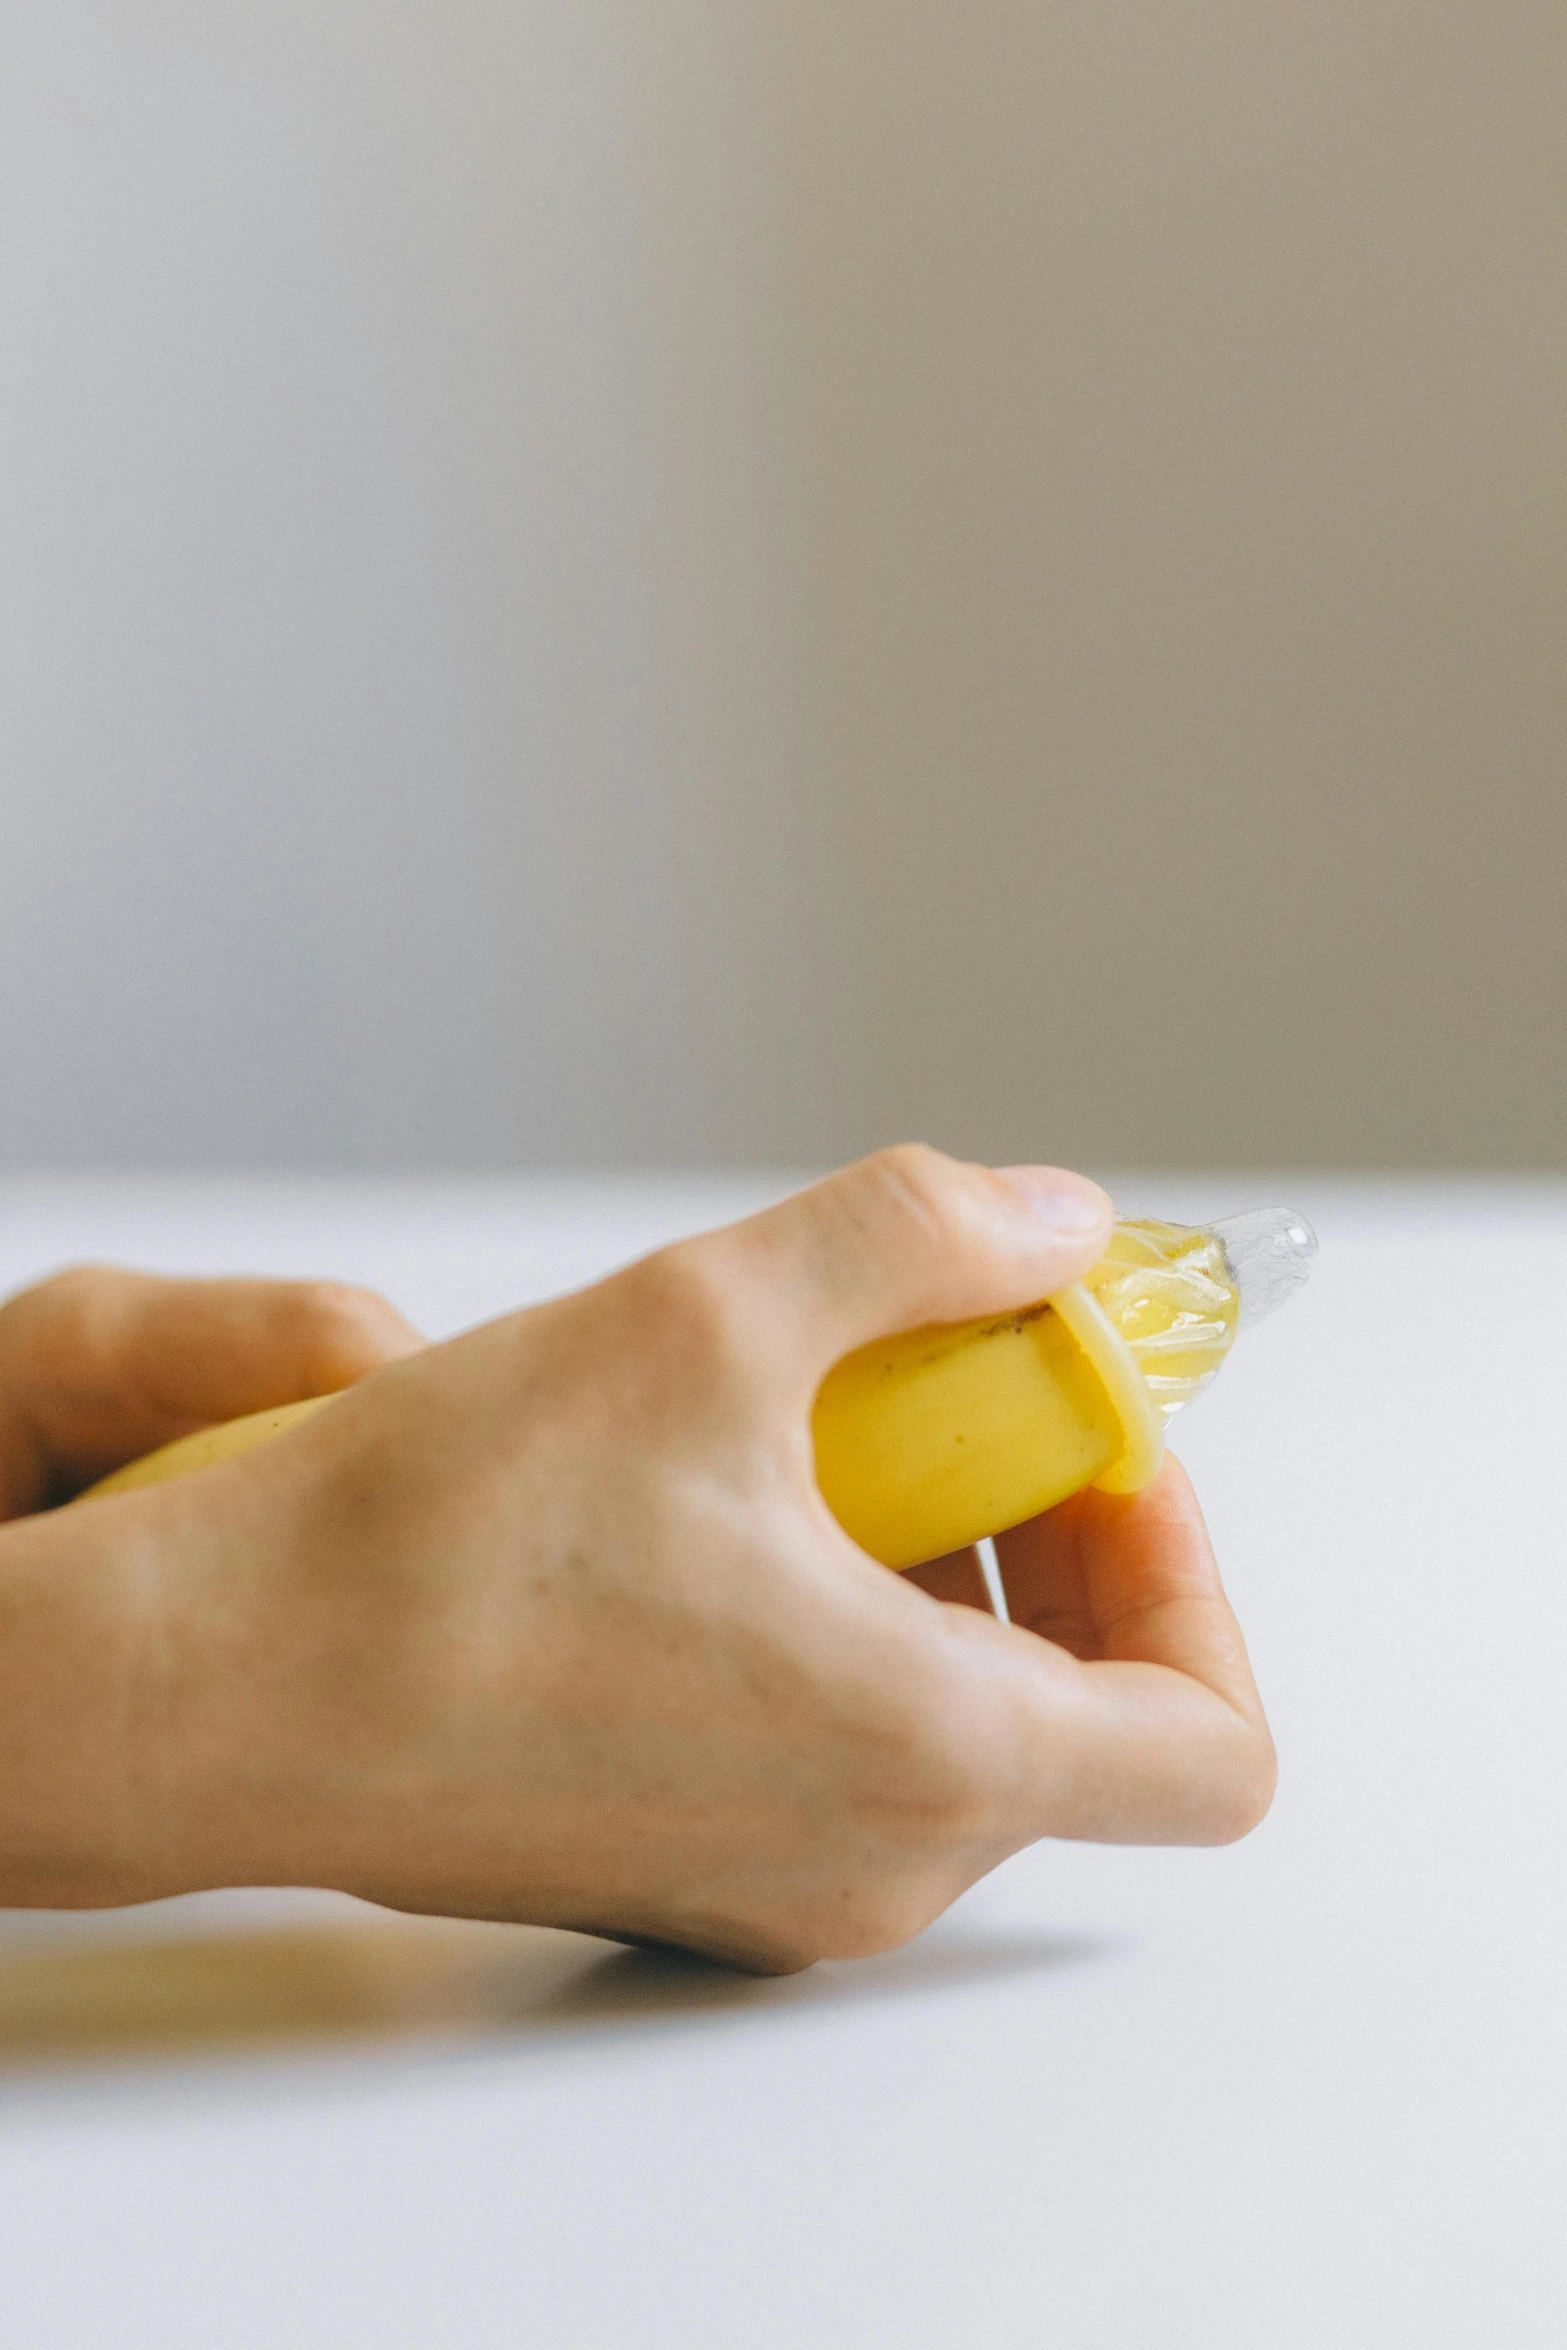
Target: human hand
552, 1623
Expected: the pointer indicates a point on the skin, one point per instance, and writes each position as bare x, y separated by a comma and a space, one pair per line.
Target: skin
550, 1622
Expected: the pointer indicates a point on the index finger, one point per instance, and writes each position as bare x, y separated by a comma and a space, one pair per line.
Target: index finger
1130, 1577
1144, 1726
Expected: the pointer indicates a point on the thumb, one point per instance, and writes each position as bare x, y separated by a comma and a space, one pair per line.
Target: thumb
911, 1236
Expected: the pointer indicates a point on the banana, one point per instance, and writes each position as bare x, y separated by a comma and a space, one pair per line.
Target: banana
207, 1447
933, 1439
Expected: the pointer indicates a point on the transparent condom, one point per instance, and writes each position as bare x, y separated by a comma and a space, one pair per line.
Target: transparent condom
1270, 1255
1177, 1294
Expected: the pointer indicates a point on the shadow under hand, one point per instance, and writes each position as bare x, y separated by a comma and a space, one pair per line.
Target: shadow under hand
650, 1984
434, 1980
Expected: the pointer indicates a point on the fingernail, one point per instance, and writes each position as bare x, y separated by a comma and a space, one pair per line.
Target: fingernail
1068, 1203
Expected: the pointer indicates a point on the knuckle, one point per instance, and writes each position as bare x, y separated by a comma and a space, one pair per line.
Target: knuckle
916, 1183
920, 1199
337, 1305
82, 1290
341, 1327
690, 1296
83, 1307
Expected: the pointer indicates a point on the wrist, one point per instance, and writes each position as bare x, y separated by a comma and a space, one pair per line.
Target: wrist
138, 1747
87, 1816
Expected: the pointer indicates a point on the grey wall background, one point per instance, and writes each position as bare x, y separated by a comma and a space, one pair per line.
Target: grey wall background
726, 579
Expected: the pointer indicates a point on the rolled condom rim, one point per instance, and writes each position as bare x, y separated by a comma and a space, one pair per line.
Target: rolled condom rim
1142, 1422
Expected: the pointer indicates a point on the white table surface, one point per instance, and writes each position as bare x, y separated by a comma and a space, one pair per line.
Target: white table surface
1301, 2093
